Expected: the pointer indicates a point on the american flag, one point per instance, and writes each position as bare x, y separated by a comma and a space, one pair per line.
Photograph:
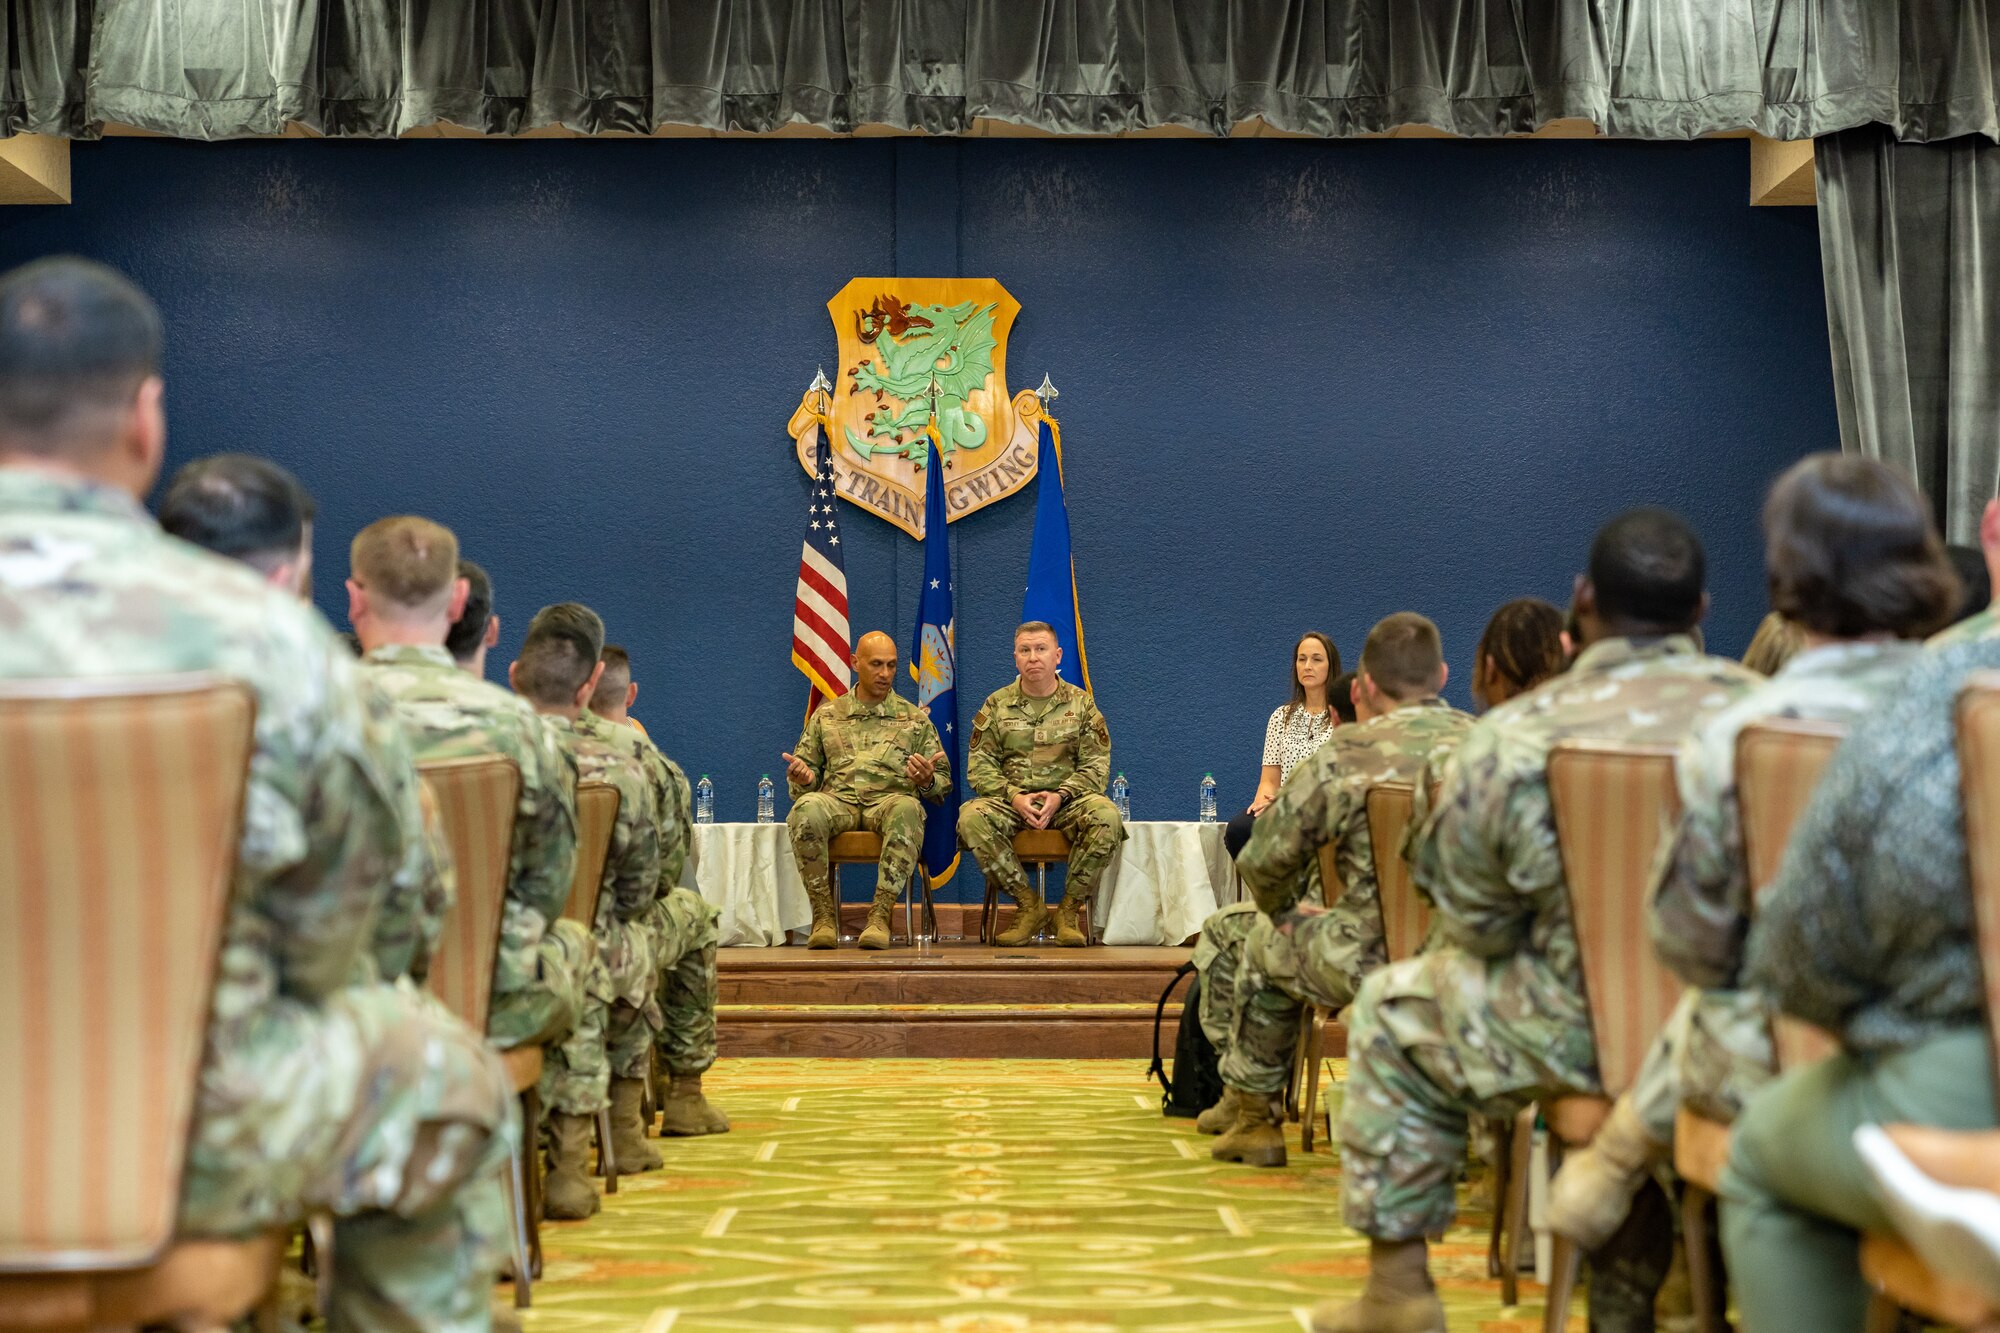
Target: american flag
820, 636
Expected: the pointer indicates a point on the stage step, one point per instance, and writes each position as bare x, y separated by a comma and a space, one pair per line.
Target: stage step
966, 1031
948, 1000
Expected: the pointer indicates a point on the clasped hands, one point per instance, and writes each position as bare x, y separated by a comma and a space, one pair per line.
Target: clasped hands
1037, 808
1296, 913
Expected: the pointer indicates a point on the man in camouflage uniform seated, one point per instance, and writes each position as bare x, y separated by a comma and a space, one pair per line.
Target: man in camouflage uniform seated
316, 1092
1496, 1016
1039, 758
1862, 633
1295, 952
862, 762
684, 928
555, 671
403, 595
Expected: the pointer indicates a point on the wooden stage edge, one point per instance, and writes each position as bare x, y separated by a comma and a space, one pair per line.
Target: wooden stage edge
964, 1000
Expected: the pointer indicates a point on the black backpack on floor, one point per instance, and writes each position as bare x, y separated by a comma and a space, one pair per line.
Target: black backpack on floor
1196, 1083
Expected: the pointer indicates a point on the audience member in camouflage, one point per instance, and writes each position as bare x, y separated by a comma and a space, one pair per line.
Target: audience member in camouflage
1298, 953
1861, 633
315, 1094
863, 762
1983, 623
401, 597
556, 669
1497, 1016
1039, 758
684, 929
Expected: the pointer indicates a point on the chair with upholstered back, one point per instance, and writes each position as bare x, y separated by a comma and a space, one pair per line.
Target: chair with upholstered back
596, 824
477, 799
1612, 802
1902, 1280
864, 848
1778, 763
121, 806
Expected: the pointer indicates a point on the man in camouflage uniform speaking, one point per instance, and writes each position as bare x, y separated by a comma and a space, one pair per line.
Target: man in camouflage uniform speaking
861, 763
1039, 758
403, 594
1496, 1016
316, 1092
1295, 952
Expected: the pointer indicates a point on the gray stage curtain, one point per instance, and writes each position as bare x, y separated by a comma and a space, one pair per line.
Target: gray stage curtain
1639, 68
1910, 242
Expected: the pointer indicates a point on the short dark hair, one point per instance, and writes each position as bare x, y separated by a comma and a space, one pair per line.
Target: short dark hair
238, 506
1404, 656
76, 339
1647, 568
1340, 695
1523, 641
1973, 577
463, 638
617, 675
1849, 550
562, 648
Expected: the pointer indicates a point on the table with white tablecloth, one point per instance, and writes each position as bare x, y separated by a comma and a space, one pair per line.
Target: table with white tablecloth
1167, 878
1164, 881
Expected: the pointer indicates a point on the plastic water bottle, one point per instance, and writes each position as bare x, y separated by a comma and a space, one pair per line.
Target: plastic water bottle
767, 801
1208, 798
704, 801
1121, 796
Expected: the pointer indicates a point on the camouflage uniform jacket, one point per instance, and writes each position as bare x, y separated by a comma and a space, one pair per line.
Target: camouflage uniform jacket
90, 587
1979, 625
672, 799
1487, 855
424, 886
1701, 887
1326, 801
631, 876
858, 750
449, 714
1868, 929
1023, 744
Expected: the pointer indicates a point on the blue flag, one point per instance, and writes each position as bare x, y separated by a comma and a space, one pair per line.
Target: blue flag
1051, 571
933, 664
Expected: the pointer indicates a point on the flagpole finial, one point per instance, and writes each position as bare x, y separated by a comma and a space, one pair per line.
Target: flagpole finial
820, 384
1047, 392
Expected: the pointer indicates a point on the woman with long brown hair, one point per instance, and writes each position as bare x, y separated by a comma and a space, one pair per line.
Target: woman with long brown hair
1295, 730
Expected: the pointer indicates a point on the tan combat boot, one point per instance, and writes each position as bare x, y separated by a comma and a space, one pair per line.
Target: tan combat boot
684, 1112
628, 1128
826, 920
1255, 1138
1218, 1118
567, 1194
876, 934
1594, 1189
1029, 918
1069, 934
1399, 1297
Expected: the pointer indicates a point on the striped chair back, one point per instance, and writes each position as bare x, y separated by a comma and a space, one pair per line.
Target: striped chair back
1405, 914
121, 812
1612, 803
476, 798
1778, 763
596, 821
1979, 785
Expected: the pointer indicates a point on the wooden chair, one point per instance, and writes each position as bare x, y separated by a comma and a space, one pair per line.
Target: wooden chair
1778, 763
1901, 1279
121, 805
1611, 802
596, 823
1040, 848
477, 798
866, 849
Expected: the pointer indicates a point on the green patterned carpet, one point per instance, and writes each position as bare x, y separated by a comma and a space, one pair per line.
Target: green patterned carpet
969, 1196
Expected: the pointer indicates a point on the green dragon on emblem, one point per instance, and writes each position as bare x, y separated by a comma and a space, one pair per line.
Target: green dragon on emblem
926, 356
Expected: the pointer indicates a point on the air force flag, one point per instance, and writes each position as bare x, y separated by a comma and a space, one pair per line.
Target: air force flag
934, 666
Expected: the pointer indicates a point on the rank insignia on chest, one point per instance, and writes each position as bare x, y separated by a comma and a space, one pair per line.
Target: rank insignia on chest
1041, 735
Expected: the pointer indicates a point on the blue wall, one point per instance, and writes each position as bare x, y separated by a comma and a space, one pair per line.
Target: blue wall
1303, 384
